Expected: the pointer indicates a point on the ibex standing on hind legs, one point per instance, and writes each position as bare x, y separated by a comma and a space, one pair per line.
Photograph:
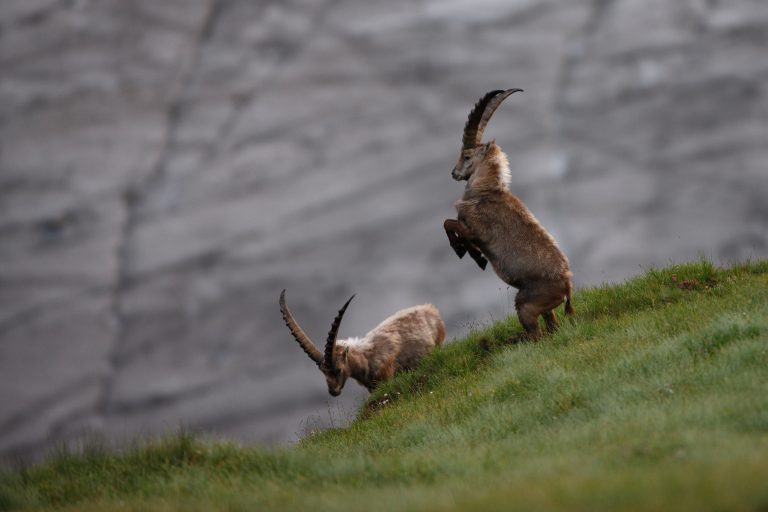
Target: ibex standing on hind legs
494, 224
400, 342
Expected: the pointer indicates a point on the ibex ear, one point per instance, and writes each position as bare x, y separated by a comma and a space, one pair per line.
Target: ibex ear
345, 355
488, 145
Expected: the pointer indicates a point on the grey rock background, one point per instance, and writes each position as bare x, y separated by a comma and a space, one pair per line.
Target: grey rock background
166, 168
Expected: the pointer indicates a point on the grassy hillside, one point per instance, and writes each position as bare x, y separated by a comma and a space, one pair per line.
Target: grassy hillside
654, 398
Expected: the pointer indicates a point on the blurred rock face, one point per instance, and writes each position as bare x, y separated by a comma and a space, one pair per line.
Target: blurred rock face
166, 168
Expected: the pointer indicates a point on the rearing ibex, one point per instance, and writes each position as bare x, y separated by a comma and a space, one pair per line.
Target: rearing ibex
398, 343
494, 224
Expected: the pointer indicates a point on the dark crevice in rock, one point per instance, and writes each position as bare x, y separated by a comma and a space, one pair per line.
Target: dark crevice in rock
600, 10
570, 60
40, 15
242, 102
131, 202
176, 111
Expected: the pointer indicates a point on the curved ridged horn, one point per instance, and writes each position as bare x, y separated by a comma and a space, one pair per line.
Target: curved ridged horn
480, 115
298, 333
331, 342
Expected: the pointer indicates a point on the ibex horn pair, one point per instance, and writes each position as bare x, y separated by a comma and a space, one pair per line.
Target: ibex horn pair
323, 360
480, 115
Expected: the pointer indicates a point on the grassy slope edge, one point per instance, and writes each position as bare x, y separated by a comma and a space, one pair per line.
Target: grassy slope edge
654, 397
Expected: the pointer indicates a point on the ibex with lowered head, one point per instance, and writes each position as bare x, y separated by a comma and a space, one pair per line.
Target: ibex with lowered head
398, 343
495, 225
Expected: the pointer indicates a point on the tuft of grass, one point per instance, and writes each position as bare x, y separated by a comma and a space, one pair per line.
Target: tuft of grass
653, 397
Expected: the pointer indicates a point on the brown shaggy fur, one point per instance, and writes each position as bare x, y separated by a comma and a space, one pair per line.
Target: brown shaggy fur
495, 225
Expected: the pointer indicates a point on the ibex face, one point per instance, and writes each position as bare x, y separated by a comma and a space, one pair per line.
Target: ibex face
335, 380
473, 151
337, 375
469, 160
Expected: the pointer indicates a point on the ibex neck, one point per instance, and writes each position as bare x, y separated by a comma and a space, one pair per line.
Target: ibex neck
358, 358
492, 175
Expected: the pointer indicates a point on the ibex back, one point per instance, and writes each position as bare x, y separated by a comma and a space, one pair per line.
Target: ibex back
494, 225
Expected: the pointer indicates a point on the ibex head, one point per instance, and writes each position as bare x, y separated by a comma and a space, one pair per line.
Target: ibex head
334, 361
473, 151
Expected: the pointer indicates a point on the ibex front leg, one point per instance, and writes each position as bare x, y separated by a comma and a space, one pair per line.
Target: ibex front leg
459, 237
456, 242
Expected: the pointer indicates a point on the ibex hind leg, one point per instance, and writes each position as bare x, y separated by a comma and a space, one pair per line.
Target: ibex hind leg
535, 301
550, 321
528, 315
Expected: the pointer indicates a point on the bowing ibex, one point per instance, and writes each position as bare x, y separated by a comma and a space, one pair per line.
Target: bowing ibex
494, 225
398, 343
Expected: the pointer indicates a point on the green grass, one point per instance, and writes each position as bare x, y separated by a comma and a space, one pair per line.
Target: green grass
654, 398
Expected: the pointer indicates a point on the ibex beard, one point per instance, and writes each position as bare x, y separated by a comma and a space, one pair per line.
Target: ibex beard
495, 226
398, 343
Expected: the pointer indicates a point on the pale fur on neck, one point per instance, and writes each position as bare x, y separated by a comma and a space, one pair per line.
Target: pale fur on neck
494, 173
353, 342
502, 164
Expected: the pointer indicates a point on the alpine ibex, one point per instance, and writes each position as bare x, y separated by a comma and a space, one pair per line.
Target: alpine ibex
398, 343
494, 224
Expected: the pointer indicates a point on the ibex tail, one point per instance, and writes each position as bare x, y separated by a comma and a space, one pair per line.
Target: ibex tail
568, 308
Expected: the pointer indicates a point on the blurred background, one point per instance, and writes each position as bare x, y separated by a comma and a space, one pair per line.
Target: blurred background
168, 167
